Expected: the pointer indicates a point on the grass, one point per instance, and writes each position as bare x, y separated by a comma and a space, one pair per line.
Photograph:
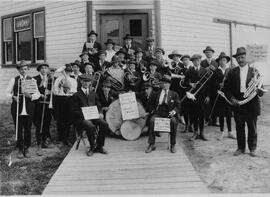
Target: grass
26, 176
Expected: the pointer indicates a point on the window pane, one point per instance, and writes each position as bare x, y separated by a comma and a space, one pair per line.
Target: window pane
40, 49
112, 28
135, 27
24, 45
7, 29
8, 51
39, 24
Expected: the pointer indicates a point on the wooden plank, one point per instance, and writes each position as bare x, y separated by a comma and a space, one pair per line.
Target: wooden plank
126, 171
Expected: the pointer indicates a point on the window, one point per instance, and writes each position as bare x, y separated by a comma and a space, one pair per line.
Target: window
135, 26
24, 37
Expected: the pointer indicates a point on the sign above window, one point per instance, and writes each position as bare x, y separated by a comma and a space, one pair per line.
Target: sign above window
22, 23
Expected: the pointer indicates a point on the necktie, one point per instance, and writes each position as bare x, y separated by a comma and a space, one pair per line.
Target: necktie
165, 98
86, 92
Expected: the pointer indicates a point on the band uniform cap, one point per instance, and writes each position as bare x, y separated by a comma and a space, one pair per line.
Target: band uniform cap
149, 39
106, 83
166, 79
92, 32
123, 51
223, 55
85, 77
109, 41
195, 56
68, 68
77, 62
154, 62
138, 50
127, 36
159, 49
40, 65
84, 53
52, 69
89, 63
209, 48
185, 56
146, 85
102, 52
239, 51
174, 52
22, 63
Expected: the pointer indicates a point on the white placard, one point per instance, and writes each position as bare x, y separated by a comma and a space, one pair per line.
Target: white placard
162, 124
257, 53
90, 112
89, 45
129, 106
29, 86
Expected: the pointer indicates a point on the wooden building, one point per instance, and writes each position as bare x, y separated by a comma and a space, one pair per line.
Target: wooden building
54, 31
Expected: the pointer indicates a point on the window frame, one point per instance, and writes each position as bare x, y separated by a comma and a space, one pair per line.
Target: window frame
37, 37
14, 40
4, 43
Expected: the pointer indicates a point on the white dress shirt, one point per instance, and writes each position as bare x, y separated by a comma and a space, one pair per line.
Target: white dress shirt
222, 69
162, 94
59, 90
86, 91
109, 55
44, 80
243, 77
9, 90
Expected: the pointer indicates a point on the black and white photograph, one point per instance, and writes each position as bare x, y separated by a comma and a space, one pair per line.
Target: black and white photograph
134, 97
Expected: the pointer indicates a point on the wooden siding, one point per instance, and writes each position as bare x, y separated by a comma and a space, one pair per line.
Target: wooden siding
127, 170
65, 32
188, 25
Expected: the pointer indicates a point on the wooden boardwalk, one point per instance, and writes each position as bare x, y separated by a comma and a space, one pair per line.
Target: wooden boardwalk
127, 169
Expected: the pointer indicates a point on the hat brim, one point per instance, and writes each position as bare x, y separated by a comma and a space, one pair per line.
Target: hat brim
39, 66
208, 50
195, 58
185, 56
83, 54
236, 55
125, 38
163, 52
92, 34
226, 57
171, 55
150, 40
106, 43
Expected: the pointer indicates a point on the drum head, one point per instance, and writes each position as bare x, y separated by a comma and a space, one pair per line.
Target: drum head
114, 116
130, 130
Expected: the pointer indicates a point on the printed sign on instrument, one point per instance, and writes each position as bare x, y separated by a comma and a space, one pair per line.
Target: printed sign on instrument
162, 124
29, 86
129, 106
257, 53
90, 113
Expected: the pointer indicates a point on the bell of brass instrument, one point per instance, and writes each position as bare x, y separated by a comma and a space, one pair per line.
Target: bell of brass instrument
117, 85
129, 76
146, 76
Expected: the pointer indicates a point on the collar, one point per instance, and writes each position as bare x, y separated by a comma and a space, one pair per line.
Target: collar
83, 89
21, 77
244, 68
43, 76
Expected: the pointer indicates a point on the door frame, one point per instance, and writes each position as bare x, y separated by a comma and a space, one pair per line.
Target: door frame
148, 12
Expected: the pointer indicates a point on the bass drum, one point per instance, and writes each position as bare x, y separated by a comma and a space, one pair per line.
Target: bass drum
114, 117
130, 130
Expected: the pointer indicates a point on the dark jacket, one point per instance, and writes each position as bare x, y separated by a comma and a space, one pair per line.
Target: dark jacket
205, 64
173, 102
99, 67
232, 90
106, 102
78, 100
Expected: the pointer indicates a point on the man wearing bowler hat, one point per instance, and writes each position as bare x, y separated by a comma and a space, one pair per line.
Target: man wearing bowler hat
109, 50
164, 104
101, 64
235, 86
92, 46
128, 45
84, 98
14, 92
150, 49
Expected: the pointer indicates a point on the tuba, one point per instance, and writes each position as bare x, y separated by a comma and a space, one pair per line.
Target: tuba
117, 85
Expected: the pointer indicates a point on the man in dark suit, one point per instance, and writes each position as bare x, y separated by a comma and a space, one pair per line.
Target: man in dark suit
141, 65
92, 46
235, 86
83, 98
150, 49
106, 96
101, 64
164, 104
44, 84
211, 63
197, 107
128, 45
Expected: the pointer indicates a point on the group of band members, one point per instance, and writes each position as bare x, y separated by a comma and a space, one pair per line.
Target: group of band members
168, 89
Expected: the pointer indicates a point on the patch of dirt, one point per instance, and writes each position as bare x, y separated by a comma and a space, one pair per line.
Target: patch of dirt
25, 176
224, 173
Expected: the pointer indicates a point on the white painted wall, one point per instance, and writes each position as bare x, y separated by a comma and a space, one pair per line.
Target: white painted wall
188, 25
66, 32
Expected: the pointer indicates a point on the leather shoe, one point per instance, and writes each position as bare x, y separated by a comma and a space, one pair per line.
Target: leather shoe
20, 154
238, 152
90, 152
202, 136
173, 150
101, 150
194, 137
230, 135
27, 154
150, 148
252, 153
